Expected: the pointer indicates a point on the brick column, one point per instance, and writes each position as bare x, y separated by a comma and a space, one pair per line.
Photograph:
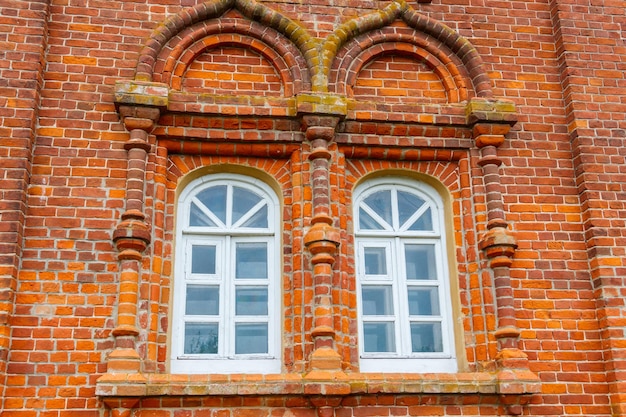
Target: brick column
320, 115
139, 108
322, 240
595, 122
491, 120
131, 237
139, 105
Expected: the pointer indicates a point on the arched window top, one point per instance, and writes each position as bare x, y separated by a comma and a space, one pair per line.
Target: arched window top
229, 203
397, 206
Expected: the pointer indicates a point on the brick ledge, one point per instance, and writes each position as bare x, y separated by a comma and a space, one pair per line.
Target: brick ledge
504, 382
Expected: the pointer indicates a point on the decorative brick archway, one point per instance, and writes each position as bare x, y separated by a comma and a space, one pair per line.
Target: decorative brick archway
316, 125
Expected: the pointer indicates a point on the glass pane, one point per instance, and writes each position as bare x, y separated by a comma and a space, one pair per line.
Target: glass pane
366, 222
215, 200
251, 338
423, 222
377, 301
375, 261
408, 204
259, 219
426, 337
202, 300
243, 201
380, 202
201, 338
203, 259
379, 337
423, 301
251, 260
251, 302
420, 262
198, 218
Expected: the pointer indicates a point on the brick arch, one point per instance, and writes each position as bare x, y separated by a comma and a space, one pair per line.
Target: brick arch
399, 9
363, 50
175, 70
180, 166
176, 56
275, 172
445, 173
278, 32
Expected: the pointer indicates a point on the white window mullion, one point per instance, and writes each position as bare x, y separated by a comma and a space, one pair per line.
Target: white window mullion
205, 211
445, 308
404, 334
250, 213
404, 228
227, 322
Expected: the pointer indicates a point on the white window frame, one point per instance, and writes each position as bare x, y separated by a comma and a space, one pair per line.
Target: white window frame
225, 238
394, 237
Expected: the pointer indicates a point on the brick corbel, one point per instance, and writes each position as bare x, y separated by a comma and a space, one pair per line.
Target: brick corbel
121, 407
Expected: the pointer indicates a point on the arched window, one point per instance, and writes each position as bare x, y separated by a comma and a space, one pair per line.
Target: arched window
226, 301
404, 307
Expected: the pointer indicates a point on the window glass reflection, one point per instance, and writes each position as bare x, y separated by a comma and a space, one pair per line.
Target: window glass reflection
202, 300
375, 260
214, 198
377, 300
420, 262
379, 337
423, 301
423, 222
243, 201
380, 202
251, 260
367, 222
408, 204
251, 338
426, 337
251, 302
258, 219
198, 218
201, 338
203, 259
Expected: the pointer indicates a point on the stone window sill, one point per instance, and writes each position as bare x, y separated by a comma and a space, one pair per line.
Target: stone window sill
317, 383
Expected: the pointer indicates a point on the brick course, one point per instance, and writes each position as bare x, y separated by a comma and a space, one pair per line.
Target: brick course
516, 110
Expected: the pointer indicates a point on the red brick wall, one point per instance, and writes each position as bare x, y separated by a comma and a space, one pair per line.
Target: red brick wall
63, 171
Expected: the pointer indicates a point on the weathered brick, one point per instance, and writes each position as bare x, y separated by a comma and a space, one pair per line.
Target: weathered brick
405, 79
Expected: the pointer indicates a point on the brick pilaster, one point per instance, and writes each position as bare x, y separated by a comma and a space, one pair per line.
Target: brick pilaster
587, 52
24, 35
